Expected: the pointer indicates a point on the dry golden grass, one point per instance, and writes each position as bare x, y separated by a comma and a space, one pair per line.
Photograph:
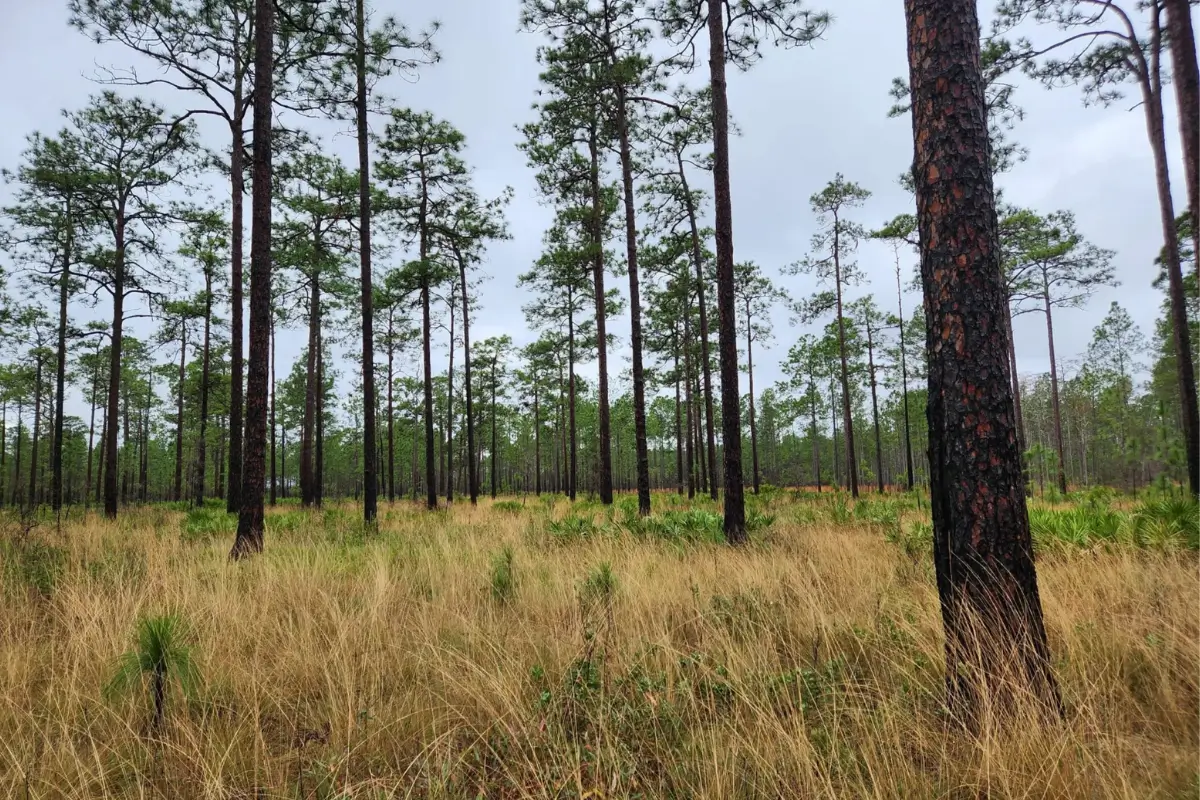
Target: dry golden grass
808, 665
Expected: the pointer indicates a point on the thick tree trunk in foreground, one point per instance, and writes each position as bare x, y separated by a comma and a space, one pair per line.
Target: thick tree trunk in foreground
253, 473
731, 433
983, 554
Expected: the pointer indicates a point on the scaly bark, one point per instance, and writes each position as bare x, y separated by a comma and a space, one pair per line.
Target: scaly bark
983, 552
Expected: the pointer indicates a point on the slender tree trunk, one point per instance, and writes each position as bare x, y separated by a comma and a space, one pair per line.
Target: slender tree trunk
689, 455
537, 442
635, 307
816, 444
202, 436
1054, 399
274, 473
495, 455
426, 331
114, 374
311, 392
126, 478
251, 474
100, 457
908, 452
702, 308
983, 554
679, 426
144, 447
750, 378
472, 476
370, 472
875, 412
318, 478
36, 432
17, 500
4, 449
602, 408
391, 410
1152, 104
1186, 76
87, 482
450, 409
833, 441
177, 490
573, 474
735, 508
60, 372
847, 415
238, 189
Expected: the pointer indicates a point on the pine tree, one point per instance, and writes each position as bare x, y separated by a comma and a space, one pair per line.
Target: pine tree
983, 552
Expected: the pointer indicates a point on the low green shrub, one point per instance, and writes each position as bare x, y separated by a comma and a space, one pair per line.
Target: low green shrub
206, 523
508, 506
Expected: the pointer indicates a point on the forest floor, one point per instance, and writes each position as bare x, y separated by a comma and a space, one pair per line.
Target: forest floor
530, 649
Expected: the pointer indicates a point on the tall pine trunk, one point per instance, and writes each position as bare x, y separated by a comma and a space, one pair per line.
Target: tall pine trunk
391, 409
1186, 76
205, 365
60, 369
237, 184
252, 472
875, 411
983, 552
847, 415
36, 432
1151, 86
702, 308
731, 434
177, 489
750, 380
472, 475
274, 473
604, 444
370, 460
1055, 404
635, 307
450, 408
114, 374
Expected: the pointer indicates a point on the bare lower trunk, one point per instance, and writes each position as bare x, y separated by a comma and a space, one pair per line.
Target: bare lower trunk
370, 460
983, 553
702, 308
114, 375
1054, 399
250, 476
604, 444
735, 509
236, 399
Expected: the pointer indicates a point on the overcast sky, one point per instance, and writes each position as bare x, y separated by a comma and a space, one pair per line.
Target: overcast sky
804, 115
